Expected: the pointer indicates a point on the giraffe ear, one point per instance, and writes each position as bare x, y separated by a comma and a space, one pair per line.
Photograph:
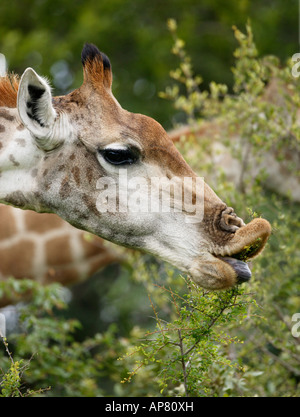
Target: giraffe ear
35, 104
96, 67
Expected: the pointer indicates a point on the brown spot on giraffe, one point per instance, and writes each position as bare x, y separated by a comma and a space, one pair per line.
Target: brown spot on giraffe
90, 203
41, 223
76, 174
21, 142
89, 174
5, 115
13, 160
58, 251
18, 258
65, 276
16, 198
8, 227
65, 188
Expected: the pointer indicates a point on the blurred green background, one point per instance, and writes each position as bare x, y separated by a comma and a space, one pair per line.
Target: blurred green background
49, 35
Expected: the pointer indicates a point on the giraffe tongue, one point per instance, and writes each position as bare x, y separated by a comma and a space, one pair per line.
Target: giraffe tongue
241, 268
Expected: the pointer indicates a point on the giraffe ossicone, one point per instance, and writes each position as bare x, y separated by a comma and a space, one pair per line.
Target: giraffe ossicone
54, 151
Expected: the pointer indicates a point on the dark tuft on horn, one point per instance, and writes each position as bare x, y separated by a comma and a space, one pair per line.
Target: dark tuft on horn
90, 52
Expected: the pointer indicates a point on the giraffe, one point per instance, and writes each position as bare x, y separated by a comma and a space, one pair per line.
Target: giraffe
46, 249
57, 151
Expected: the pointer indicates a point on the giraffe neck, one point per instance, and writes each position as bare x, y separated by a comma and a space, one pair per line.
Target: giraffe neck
46, 249
19, 158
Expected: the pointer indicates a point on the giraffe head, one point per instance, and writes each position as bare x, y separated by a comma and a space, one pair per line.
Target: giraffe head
100, 167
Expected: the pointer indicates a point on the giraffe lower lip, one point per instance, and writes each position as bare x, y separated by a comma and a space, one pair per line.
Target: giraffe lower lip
241, 268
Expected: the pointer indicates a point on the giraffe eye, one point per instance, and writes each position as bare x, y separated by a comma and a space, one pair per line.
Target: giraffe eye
120, 156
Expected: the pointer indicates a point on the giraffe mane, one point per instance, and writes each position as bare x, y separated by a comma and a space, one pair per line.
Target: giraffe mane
9, 85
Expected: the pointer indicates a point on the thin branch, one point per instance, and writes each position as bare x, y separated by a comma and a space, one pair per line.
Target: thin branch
10, 357
183, 363
283, 363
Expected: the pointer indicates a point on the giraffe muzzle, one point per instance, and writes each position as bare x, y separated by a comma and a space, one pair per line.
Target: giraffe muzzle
248, 241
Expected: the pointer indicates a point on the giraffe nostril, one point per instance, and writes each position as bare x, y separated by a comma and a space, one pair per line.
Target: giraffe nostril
229, 221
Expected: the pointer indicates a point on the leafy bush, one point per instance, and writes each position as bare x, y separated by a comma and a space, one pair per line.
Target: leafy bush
45, 356
271, 353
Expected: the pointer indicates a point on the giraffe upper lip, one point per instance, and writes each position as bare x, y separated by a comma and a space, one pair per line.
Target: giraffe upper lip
247, 252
